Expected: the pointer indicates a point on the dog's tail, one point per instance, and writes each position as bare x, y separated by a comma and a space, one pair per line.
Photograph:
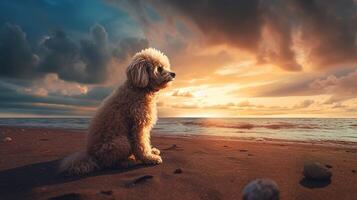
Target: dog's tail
79, 163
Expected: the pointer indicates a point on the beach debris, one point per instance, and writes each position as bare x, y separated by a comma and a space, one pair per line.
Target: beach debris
69, 196
243, 150
261, 189
140, 180
7, 139
225, 146
249, 154
178, 171
328, 166
106, 192
316, 171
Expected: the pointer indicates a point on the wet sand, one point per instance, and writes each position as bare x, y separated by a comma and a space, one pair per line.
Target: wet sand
211, 168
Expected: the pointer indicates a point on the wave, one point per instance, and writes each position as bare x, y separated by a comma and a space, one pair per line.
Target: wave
246, 125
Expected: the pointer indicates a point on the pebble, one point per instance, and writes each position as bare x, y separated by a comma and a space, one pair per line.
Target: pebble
69, 196
178, 171
316, 171
106, 192
139, 180
142, 179
173, 147
328, 166
7, 139
261, 189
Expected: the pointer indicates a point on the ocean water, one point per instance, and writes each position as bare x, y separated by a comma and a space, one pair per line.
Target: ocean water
296, 129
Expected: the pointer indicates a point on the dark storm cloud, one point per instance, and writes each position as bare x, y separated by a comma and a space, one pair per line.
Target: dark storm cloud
224, 21
327, 28
85, 62
333, 25
16, 57
128, 47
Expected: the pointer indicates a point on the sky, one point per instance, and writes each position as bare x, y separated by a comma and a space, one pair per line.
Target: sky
233, 58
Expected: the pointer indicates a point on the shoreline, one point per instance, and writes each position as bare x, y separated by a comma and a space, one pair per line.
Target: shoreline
342, 143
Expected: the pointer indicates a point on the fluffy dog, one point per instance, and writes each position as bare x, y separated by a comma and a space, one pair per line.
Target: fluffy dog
122, 124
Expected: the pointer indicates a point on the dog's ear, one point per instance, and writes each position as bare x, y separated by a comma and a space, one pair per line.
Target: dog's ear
137, 73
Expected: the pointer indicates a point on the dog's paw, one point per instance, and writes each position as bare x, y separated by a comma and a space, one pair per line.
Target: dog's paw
155, 151
153, 160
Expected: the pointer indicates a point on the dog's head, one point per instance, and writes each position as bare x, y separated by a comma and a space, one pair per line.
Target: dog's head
150, 69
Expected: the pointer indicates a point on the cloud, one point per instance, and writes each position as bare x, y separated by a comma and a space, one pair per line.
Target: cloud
304, 104
51, 84
280, 88
179, 93
50, 98
288, 34
16, 57
329, 31
340, 87
63, 71
84, 63
129, 46
87, 61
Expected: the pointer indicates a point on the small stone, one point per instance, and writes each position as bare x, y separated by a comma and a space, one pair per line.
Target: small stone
142, 179
243, 150
316, 171
7, 139
106, 192
328, 166
69, 196
261, 189
178, 171
353, 171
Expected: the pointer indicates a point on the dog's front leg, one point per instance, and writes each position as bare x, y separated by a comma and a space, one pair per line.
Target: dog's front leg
142, 148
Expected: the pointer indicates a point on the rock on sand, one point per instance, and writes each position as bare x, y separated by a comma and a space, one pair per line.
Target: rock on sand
316, 171
7, 139
261, 189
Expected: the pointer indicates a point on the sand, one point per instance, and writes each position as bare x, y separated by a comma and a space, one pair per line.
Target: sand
193, 168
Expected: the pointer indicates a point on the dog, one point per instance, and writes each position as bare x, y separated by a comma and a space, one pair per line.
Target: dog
120, 129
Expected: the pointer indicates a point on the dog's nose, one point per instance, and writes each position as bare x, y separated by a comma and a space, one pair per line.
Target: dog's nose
172, 74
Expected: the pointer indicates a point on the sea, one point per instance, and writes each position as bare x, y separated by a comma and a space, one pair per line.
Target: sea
294, 129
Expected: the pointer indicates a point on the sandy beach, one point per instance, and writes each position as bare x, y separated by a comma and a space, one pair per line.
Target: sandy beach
193, 168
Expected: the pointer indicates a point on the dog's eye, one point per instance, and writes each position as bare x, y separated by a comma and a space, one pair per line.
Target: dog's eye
159, 68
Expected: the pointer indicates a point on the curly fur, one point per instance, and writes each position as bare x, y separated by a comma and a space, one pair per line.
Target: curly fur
120, 129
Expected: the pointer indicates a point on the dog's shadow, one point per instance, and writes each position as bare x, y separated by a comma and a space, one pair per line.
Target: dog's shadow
18, 182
